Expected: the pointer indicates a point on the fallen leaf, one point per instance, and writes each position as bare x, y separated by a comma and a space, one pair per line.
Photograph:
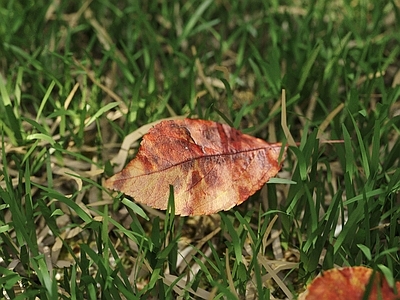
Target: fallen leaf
211, 166
349, 283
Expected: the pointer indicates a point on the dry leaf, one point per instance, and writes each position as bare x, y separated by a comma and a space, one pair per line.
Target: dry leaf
211, 166
349, 283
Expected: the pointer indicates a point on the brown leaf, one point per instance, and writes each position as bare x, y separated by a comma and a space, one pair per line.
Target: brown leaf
349, 283
212, 167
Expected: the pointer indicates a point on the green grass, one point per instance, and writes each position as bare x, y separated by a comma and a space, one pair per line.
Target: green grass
76, 79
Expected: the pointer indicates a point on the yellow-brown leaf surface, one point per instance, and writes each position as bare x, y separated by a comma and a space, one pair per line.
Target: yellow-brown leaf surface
349, 283
211, 166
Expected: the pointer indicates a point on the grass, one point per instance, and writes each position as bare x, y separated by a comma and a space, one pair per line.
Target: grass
77, 77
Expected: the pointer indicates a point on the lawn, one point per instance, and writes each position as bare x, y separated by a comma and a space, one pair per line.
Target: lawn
82, 81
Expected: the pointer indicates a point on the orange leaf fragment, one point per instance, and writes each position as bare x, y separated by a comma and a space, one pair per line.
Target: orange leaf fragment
349, 283
211, 166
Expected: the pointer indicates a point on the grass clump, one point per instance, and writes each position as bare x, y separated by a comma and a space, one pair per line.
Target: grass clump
77, 78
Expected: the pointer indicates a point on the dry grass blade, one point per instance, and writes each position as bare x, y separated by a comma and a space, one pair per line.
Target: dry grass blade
329, 119
108, 91
272, 272
285, 128
229, 275
180, 287
203, 77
